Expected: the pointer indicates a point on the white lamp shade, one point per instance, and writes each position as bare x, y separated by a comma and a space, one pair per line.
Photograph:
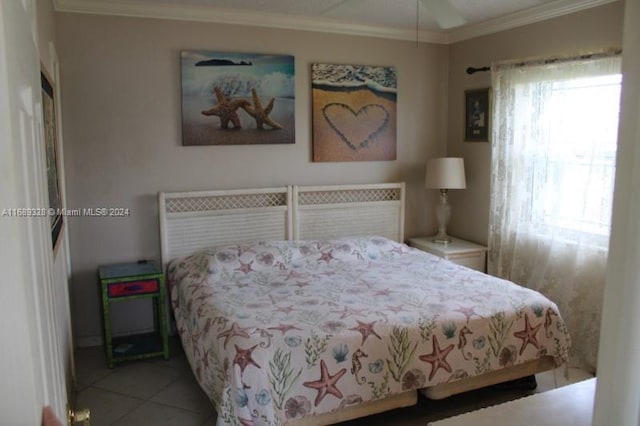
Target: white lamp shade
445, 173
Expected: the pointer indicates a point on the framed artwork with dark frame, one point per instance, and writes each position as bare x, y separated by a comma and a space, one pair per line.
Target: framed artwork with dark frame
476, 115
51, 150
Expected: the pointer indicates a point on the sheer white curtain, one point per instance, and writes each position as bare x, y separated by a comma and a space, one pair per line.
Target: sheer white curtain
553, 167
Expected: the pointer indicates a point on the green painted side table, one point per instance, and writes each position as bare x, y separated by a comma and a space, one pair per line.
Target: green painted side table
129, 281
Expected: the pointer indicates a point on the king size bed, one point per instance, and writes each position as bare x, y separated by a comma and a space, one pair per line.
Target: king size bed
301, 305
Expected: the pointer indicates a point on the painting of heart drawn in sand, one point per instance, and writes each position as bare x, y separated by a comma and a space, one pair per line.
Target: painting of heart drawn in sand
356, 128
354, 113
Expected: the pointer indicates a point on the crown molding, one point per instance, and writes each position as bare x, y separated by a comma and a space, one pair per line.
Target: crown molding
131, 8
236, 17
525, 17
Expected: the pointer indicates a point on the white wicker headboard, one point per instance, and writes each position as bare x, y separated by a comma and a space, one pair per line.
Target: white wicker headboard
190, 221
323, 212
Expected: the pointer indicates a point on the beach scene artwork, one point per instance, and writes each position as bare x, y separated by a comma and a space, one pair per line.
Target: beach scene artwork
354, 112
237, 98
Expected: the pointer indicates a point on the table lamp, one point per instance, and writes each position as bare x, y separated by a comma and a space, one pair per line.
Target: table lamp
444, 174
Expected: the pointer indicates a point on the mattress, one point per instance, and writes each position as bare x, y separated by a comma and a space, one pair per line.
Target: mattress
281, 330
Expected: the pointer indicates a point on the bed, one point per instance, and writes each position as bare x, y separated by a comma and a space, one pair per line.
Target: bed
285, 320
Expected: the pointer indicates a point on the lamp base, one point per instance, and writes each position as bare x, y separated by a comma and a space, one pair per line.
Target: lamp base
443, 212
441, 238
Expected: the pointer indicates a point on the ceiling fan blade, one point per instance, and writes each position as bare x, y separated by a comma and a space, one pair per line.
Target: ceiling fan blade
444, 13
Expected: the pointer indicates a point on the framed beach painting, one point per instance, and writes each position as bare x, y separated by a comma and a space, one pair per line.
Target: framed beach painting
354, 112
51, 153
237, 98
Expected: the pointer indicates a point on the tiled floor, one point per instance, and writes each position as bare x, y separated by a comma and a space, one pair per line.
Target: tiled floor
159, 393
152, 392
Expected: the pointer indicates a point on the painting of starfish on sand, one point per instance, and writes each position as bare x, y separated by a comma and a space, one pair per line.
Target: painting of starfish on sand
237, 98
354, 112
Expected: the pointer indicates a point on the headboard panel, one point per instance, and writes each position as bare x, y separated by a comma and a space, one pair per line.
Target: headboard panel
191, 221
324, 212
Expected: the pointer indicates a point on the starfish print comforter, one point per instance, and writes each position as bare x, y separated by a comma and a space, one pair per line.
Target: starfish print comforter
281, 330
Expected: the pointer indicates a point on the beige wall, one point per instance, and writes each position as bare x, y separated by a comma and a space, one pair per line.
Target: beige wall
592, 29
121, 98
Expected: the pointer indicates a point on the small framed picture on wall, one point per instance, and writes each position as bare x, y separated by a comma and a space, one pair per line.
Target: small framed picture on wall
476, 115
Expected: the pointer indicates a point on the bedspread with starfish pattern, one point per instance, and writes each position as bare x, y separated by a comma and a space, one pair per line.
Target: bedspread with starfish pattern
281, 330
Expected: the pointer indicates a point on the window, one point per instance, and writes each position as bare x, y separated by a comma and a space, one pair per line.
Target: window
573, 187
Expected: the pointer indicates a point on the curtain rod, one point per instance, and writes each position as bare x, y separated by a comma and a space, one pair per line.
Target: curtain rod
472, 70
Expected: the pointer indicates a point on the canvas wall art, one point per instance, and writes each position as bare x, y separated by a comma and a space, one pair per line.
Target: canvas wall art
237, 98
354, 112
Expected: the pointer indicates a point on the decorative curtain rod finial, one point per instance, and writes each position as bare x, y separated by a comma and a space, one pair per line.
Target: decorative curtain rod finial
472, 70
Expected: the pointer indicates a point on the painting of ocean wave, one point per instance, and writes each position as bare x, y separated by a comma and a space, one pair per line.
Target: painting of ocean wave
380, 79
354, 112
237, 98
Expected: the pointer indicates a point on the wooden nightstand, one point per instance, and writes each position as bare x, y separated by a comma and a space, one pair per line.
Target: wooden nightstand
458, 251
130, 281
